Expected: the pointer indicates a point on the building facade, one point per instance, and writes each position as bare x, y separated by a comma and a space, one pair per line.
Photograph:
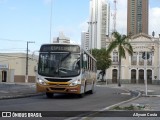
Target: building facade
98, 23
13, 67
85, 40
137, 17
134, 68
61, 39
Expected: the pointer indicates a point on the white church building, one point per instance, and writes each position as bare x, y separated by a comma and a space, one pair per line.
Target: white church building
134, 68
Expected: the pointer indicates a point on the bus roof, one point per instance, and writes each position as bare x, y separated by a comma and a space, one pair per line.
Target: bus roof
60, 44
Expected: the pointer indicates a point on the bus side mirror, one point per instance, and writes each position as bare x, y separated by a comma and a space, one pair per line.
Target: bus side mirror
84, 60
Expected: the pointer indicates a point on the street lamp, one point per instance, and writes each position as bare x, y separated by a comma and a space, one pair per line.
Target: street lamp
26, 80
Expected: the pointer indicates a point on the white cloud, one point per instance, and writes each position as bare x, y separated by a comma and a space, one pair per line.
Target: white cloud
84, 25
121, 18
154, 24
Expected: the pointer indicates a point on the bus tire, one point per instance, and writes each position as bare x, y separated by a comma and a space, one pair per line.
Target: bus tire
82, 94
49, 95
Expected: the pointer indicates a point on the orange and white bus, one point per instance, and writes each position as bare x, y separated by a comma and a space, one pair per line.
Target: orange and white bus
65, 68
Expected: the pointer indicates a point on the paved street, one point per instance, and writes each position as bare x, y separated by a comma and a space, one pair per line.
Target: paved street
102, 98
106, 95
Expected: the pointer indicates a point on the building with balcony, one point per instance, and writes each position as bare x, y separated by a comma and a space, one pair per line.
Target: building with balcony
134, 68
85, 40
99, 21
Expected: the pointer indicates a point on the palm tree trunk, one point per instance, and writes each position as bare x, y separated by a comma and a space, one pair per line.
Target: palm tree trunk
119, 76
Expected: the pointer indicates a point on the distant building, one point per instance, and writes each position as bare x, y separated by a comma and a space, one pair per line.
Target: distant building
98, 23
137, 17
61, 39
85, 40
13, 67
133, 69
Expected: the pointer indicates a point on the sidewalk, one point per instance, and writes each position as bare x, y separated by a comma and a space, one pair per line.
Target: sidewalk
151, 102
17, 90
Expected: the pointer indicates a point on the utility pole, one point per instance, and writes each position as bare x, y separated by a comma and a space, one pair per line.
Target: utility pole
51, 24
26, 79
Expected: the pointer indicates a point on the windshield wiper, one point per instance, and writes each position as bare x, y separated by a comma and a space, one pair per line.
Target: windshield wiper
65, 56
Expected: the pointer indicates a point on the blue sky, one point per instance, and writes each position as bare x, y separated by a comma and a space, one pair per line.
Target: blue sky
29, 20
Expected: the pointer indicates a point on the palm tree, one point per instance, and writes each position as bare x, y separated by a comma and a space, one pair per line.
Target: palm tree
122, 43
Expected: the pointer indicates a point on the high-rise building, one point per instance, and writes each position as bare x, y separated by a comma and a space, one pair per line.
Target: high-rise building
61, 38
137, 17
85, 40
98, 23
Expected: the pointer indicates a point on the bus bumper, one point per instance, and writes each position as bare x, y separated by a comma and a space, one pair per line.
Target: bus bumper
58, 89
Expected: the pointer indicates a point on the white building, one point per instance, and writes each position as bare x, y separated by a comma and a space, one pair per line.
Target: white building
98, 23
13, 67
135, 69
61, 39
85, 40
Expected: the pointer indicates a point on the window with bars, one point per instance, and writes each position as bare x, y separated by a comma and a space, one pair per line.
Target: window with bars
115, 56
134, 59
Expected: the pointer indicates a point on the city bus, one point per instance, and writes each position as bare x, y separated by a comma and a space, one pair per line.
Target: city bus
65, 68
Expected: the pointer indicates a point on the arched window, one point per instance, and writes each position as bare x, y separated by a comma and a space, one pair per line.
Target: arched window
141, 76
133, 76
149, 76
114, 75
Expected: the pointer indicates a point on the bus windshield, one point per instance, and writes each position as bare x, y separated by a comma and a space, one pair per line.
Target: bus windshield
59, 64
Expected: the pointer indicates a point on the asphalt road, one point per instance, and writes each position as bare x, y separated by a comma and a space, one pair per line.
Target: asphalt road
103, 97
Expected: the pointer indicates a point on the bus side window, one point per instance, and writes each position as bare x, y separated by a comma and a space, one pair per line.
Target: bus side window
84, 61
88, 63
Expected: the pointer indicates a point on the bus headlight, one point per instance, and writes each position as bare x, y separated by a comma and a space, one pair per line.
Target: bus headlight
74, 83
41, 81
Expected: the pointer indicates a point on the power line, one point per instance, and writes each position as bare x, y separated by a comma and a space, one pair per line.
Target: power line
11, 40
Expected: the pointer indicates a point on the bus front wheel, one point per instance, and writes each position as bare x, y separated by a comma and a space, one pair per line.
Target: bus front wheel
82, 94
49, 95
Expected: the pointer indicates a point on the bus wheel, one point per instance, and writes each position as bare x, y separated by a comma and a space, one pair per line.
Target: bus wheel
82, 94
49, 95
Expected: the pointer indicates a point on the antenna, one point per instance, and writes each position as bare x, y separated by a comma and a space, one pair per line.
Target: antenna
114, 15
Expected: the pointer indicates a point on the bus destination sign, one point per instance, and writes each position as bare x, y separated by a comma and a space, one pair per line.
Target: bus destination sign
60, 48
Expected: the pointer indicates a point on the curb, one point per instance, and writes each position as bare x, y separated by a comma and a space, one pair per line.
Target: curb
127, 90
111, 106
20, 96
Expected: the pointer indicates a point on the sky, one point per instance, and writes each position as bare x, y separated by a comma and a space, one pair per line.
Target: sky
32, 20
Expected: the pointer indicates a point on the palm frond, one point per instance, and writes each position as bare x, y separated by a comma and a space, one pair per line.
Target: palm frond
112, 46
121, 52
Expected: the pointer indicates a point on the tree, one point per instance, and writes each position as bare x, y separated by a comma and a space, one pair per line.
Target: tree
103, 60
122, 43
